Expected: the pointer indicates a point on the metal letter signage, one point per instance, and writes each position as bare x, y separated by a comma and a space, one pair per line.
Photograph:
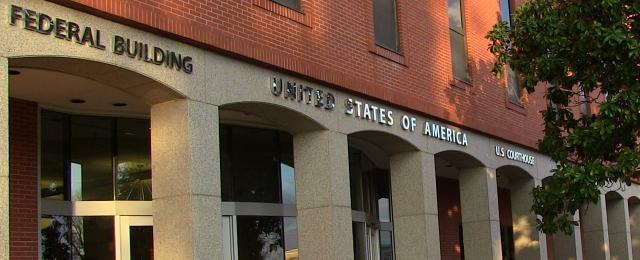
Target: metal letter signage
514, 155
84, 35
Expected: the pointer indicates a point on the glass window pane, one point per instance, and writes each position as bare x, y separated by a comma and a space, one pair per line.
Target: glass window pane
53, 149
226, 172
93, 238
386, 24
260, 238
141, 242
513, 86
287, 172
294, 4
290, 238
383, 210
459, 56
505, 11
359, 248
455, 15
134, 160
255, 165
227, 238
91, 157
386, 245
55, 237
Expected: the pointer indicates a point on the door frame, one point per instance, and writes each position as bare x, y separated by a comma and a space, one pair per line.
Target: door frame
122, 224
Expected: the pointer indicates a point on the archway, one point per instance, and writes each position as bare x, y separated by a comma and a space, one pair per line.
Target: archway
467, 207
393, 197
519, 236
87, 123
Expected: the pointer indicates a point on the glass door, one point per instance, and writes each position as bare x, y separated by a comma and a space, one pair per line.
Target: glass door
135, 238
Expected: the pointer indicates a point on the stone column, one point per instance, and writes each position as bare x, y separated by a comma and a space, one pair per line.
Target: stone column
595, 240
525, 235
185, 160
619, 229
415, 206
323, 195
634, 223
566, 247
480, 213
4, 158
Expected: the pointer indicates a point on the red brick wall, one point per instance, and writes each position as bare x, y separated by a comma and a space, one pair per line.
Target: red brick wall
504, 205
449, 218
331, 42
23, 179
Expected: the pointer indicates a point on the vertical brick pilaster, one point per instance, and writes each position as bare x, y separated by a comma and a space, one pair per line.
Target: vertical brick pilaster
23, 179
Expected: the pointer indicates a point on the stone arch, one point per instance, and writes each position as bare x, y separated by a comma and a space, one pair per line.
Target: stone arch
134, 83
269, 115
518, 223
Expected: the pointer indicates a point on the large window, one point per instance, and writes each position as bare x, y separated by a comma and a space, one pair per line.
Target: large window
371, 208
385, 23
458, 40
88, 158
258, 189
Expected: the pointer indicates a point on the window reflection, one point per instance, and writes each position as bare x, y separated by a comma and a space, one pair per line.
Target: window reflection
83, 155
256, 165
260, 238
91, 147
55, 237
52, 160
371, 194
77, 237
133, 172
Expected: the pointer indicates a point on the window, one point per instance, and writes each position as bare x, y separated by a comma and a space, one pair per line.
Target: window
458, 41
385, 24
258, 185
514, 90
91, 158
77, 237
293, 4
371, 208
585, 103
506, 11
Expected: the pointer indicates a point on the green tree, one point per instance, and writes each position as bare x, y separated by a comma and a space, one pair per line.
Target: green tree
571, 47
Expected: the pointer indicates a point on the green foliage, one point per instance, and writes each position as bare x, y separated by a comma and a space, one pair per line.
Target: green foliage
569, 46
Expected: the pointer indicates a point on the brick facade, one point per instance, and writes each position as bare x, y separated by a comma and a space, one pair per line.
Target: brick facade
331, 41
449, 218
23, 180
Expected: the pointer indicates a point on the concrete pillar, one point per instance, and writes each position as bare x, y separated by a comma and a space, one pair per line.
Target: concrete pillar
185, 160
566, 247
619, 229
595, 240
323, 195
415, 206
634, 223
480, 214
525, 235
4, 158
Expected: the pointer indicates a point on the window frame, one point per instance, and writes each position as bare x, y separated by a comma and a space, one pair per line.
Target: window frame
465, 48
396, 31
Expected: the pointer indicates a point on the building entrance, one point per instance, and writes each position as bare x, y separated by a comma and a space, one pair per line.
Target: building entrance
135, 238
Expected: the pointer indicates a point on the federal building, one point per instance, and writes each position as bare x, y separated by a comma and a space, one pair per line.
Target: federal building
275, 129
